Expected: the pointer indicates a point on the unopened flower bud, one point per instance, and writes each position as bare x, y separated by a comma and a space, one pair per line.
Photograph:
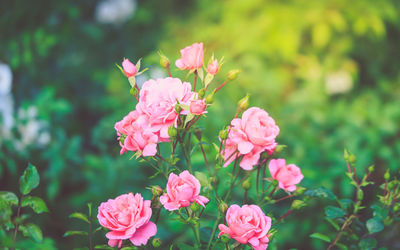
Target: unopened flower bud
299, 191
246, 185
223, 134
156, 242
178, 108
279, 149
194, 207
223, 207
133, 91
387, 175
156, 190
244, 102
164, 61
360, 194
202, 93
129, 68
371, 168
225, 238
232, 74
172, 132
298, 204
210, 98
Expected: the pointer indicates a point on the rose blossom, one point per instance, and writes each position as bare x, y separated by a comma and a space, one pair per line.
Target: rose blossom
157, 100
192, 57
181, 191
127, 216
247, 224
137, 134
213, 67
197, 107
129, 68
287, 175
249, 136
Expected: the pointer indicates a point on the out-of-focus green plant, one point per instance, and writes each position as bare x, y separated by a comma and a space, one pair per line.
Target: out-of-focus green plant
13, 224
351, 219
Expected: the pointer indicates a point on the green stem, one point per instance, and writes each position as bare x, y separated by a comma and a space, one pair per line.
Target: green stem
214, 230
16, 225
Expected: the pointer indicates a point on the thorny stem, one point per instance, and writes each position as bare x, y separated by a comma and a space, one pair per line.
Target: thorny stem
220, 86
195, 80
90, 234
214, 229
158, 214
205, 159
345, 225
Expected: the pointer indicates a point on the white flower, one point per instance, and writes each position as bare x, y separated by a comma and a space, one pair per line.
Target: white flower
5, 79
115, 11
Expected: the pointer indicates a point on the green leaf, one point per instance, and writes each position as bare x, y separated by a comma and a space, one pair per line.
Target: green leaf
320, 236
89, 209
103, 247
346, 203
97, 230
184, 246
334, 212
8, 198
374, 225
79, 216
367, 244
333, 223
33, 231
36, 203
321, 192
203, 179
379, 212
69, 233
29, 180
129, 248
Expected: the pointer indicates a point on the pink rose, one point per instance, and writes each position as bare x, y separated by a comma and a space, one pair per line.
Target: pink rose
197, 107
260, 127
137, 134
181, 191
127, 216
157, 100
249, 136
192, 57
129, 68
247, 225
213, 67
287, 175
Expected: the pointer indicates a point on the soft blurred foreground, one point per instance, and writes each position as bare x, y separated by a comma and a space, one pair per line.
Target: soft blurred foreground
327, 71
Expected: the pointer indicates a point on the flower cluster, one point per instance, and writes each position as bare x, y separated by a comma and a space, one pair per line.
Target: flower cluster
167, 110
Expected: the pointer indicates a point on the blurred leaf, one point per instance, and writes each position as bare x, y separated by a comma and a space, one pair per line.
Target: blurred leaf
8, 198
103, 247
321, 192
29, 179
184, 246
346, 203
320, 236
79, 216
333, 223
374, 225
367, 244
334, 212
69, 233
36, 203
33, 231
380, 212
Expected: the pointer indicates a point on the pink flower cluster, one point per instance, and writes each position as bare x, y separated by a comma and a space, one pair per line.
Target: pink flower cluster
128, 217
155, 112
249, 136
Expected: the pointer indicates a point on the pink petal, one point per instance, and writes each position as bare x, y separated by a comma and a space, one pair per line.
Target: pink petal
143, 234
150, 150
245, 147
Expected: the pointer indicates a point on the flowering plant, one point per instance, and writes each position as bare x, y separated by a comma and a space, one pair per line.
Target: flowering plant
167, 112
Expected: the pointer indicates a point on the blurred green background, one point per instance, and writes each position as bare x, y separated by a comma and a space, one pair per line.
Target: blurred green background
327, 71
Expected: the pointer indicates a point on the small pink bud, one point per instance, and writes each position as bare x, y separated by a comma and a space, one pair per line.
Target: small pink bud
197, 107
129, 68
213, 67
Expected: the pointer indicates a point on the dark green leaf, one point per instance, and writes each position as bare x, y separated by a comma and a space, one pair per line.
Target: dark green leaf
29, 180
333, 223
8, 198
79, 216
379, 212
33, 231
321, 192
320, 236
334, 212
346, 203
36, 203
367, 244
69, 233
183, 246
374, 225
